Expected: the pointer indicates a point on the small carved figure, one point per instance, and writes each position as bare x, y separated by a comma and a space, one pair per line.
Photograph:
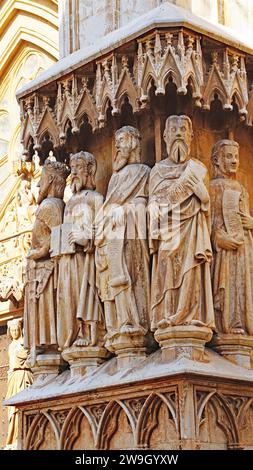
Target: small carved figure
19, 376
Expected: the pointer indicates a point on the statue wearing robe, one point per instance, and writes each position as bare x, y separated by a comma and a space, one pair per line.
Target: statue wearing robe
179, 210
79, 310
40, 331
122, 256
232, 225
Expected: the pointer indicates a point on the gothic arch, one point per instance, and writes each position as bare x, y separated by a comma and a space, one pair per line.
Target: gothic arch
71, 430
223, 415
148, 418
42, 434
109, 423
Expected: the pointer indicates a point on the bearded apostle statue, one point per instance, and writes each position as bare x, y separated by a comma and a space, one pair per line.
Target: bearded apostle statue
179, 207
80, 320
122, 257
40, 333
232, 268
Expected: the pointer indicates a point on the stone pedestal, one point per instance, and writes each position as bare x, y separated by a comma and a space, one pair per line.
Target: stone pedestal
236, 348
130, 347
46, 364
183, 341
84, 360
180, 404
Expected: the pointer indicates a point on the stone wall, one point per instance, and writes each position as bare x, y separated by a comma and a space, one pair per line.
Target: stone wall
83, 22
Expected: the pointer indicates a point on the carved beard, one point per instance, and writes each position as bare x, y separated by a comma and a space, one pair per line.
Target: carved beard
78, 183
42, 195
119, 161
179, 151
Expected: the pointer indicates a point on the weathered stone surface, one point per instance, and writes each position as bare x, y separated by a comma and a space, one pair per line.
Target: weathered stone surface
84, 23
179, 208
232, 227
184, 404
40, 334
165, 63
19, 377
122, 257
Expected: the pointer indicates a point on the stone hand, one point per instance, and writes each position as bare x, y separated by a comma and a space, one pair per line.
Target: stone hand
226, 242
32, 254
77, 236
247, 221
198, 188
117, 216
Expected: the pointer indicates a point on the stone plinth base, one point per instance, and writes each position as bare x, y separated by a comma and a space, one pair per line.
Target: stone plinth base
183, 341
130, 347
84, 360
11, 447
178, 404
47, 364
236, 348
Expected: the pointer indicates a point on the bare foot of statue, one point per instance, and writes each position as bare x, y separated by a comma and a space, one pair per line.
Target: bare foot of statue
237, 331
82, 342
129, 329
197, 323
164, 323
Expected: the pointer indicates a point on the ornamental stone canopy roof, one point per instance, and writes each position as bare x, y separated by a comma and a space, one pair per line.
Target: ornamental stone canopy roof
166, 15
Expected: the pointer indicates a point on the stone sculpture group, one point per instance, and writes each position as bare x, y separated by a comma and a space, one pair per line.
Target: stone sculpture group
163, 260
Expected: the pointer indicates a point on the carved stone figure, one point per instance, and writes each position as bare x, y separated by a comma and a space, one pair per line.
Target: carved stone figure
25, 205
122, 256
232, 268
40, 334
19, 376
179, 240
79, 310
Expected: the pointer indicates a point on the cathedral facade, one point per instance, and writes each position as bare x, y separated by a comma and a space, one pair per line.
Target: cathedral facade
134, 344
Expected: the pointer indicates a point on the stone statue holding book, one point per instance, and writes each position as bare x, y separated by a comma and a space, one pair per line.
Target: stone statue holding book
79, 311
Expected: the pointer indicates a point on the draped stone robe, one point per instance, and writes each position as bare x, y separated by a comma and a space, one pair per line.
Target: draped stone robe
181, 282
232, 270
19, 378
77, 296
40, 285
123, 263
